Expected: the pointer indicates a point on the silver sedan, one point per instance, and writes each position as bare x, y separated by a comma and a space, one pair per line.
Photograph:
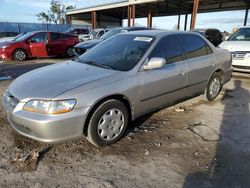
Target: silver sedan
120, 79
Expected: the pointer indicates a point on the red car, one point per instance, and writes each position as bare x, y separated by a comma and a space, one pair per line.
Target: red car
38, 44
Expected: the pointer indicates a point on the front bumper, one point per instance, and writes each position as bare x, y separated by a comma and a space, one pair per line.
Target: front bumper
5, 55
242, 65
45, 128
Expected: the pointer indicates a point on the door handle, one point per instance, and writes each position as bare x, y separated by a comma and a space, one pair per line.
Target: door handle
182, 73
213, 65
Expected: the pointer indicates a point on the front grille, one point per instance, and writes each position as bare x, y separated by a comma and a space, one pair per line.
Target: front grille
79, 51
239, 55
241, 67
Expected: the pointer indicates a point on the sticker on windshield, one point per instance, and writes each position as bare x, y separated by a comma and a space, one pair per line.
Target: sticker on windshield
143, 39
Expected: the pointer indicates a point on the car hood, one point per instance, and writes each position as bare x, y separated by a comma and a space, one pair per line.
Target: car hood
89, 44
53, 80
234, 46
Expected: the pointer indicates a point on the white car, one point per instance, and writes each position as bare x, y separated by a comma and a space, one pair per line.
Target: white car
94, 34
239, 46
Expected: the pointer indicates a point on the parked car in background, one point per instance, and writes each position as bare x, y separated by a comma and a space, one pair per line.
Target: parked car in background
7, 36
77, 31
213, 35
38, 44
94, 34
117, 81
239, 45
82, 47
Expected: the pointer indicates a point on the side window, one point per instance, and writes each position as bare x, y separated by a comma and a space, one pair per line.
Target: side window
168, 48
65, 36
39, 37
55, 36
195, 46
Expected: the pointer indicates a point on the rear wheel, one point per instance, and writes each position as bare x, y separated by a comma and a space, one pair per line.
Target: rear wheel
20, 55
108, 123
70, 52
214, 87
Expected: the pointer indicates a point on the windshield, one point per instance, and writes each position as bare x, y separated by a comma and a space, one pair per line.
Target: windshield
93, 33
23, 37
121, 52
111, 33
242, 34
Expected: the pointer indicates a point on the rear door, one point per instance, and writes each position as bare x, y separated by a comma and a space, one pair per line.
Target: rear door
38, 44
56, 44
167, 84
200, 61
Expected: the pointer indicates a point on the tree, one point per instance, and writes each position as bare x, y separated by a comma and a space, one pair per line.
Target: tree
56, 14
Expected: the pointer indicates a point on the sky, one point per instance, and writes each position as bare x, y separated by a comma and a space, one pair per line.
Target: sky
26, 10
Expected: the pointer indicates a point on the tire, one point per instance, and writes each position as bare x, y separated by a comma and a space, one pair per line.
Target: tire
103, 129
214, 87
20, 55
70, 52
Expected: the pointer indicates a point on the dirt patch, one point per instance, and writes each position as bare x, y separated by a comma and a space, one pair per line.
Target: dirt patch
158, 150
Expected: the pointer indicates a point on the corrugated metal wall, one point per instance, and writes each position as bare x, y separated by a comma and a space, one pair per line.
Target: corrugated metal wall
27, 27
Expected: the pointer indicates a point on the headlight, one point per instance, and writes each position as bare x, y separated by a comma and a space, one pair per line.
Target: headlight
50, 107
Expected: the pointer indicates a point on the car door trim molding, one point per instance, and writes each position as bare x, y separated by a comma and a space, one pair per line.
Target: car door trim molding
149, 98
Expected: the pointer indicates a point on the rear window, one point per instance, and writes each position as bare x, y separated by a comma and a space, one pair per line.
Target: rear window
55, 36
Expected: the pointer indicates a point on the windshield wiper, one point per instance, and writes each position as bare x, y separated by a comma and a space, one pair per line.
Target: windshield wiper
98, 65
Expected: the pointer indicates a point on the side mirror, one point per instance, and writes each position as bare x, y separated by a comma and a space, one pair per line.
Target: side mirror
155, 63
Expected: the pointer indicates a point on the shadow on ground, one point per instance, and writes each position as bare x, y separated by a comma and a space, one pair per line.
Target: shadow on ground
15, 70
231, 164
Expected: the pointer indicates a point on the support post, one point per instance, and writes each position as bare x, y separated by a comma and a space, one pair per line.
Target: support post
185, 24
93, 17
194, 14
149, 21
246, 15
129, 16
69, 19
179, 21
133, 15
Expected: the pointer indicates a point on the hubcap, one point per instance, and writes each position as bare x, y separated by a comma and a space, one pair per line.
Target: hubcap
111, 125
20, 55
214, 88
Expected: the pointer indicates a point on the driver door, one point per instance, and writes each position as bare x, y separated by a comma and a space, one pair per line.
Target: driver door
164, 85
38, 45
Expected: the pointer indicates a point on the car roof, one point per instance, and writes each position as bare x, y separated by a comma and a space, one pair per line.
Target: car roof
131, 28
158, 33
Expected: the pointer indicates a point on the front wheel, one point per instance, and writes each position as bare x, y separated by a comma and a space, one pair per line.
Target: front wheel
108, 123
20, 55
214, 87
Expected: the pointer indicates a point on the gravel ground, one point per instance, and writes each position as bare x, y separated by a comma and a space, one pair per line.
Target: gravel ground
191, 144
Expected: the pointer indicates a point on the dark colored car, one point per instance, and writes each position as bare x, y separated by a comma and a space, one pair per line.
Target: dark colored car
76, 31
213, 35
82, 47
38, 44
7, 34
